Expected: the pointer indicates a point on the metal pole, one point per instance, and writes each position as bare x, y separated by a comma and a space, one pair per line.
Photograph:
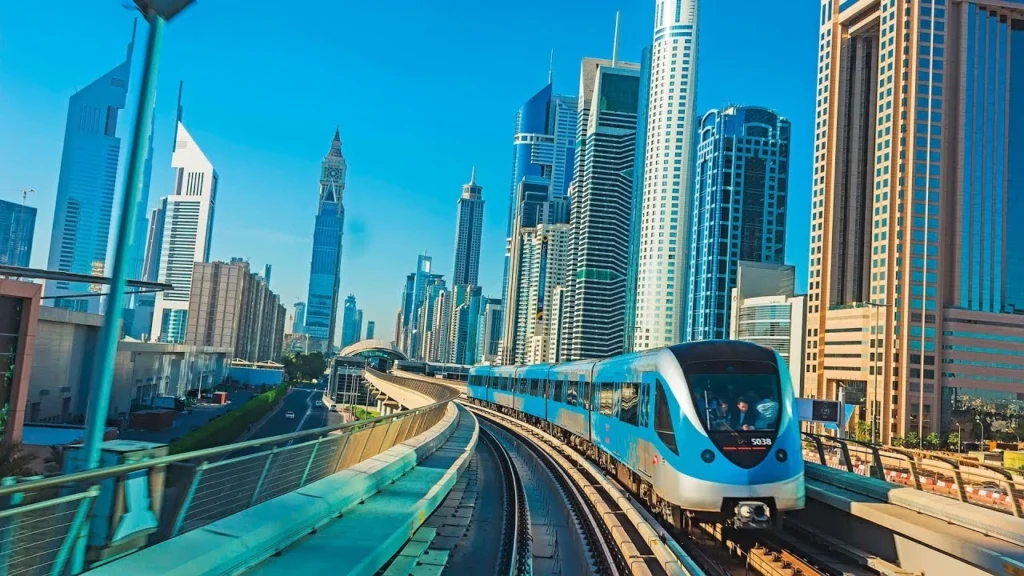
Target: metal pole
874, 399
106, 350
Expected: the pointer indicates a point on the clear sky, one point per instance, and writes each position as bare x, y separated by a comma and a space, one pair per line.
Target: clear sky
421, 90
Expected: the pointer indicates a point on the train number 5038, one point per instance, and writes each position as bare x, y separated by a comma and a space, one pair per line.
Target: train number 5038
761, 441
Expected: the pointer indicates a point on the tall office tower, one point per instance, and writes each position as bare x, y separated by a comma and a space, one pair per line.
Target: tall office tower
468, 228
440, 329
542, 265
325, 266
766, 311
349, 330
668, 177
187, 232
232, 307
370, 325
17, 227
405, 312
636, 210
421, 279
601, 196
299, 322
432, 330
542, 159
916, 276
467, 303
140, 235
85, 188
154, 243
738, 209
490, 330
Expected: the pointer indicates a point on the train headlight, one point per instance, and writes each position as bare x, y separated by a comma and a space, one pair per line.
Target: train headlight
746, 511
781, 455
707, 456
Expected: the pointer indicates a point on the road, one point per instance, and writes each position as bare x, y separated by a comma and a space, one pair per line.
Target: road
301, 401
187, 422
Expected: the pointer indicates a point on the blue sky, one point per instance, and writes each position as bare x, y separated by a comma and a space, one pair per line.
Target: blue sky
422, 91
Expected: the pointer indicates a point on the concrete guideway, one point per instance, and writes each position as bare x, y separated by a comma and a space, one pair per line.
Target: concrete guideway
392, 397
919, 532
246, 539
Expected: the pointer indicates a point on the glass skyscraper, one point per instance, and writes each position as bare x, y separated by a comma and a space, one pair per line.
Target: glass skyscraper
915, 275
739, 209
85, 188
17, 226
469, 226
668, 181
351, 322
638, 196
601, 197
325, 266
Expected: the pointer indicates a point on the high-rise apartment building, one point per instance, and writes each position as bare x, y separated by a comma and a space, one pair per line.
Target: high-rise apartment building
542, 161
636, 209
299, 320
17, 227
325, 265
232, 307
738, 209
542, 265
601, 198
916, 275
433, 322
187, 232
370, 325
468, 228
351, 322
405, 312
467, 306
668, 176
85, 187
766, 311
490, 330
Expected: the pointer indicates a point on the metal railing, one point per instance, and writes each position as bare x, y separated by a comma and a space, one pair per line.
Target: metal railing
954, 476
62, 525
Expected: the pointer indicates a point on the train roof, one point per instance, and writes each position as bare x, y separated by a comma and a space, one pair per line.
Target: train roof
721, 350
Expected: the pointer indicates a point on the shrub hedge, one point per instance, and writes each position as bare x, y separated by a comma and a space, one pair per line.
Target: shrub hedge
229, 426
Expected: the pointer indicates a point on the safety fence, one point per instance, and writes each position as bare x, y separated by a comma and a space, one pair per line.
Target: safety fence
69, 523
967, 480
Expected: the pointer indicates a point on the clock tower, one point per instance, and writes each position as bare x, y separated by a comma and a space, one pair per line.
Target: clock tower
325, 264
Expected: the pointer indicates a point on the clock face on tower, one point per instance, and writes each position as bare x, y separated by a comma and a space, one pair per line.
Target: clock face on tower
332, 173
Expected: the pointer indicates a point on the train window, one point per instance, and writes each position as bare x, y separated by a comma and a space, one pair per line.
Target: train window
570, 396
586, 395
628, 412
735, 395
535, 387
524, 386
644, 418
559, 388
607, 393
663, 418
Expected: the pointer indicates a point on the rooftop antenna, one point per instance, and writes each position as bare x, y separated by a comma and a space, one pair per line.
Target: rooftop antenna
131, 44
179, 113
551, 65
615, 43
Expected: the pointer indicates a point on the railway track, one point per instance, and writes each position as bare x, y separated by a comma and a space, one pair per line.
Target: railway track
514, 558
701, 549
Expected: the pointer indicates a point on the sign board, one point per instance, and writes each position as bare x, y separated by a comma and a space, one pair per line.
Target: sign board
824, 411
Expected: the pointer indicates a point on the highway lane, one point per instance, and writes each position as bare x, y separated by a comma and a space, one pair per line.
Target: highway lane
302, 402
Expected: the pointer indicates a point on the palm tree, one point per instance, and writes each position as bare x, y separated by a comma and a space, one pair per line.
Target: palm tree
14, 461
54, 462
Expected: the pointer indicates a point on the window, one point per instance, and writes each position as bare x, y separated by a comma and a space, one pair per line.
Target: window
662, 417
535, 387
735, 396
586, 395
607, 392
645, 400
559, 391
571, 393
629, 407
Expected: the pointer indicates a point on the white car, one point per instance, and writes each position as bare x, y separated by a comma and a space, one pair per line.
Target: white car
289, 415
319, 403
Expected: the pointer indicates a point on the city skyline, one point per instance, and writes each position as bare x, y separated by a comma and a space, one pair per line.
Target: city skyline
284, 228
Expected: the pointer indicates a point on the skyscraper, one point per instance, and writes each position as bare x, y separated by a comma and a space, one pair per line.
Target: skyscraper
601, 195
434, 331
405, 311
636, 210
137, 270
370, 325
916, 275
469, 225
17, 226
542, 159
299, 322
738, 210
465, 323
542, 265
490, 330
187, 232
350, 330
325, 266
668, 168
85, 188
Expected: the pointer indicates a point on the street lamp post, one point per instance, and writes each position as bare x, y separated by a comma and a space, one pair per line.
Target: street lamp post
157, 12
876, 421
959, 439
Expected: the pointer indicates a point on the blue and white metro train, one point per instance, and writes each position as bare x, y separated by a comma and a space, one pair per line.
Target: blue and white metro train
702, 430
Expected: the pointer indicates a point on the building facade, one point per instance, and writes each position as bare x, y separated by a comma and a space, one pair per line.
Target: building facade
490, 330
636, 209
325, 265
467, 306
542, 265
17, 227
668, 176
601, 198
299, 318
370, 325
351, 322
187, 233
739, 209
915, 276
232, 307
542, 161
765, 310
85, 187
468, 228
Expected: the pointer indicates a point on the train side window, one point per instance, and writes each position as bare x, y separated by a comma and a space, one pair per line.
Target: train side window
607, 395
645, 408
534, 387
524, 386
571, 397
663, 418
628, 412
586, 395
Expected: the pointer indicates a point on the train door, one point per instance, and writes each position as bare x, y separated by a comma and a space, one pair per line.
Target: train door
647, 454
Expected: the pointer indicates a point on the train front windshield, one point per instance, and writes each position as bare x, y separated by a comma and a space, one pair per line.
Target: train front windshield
738, 403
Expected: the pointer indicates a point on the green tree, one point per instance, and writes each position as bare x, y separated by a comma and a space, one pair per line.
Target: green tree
13, 461
305, 366
912, 440
953, 441
932, 441
897, 441
863, 432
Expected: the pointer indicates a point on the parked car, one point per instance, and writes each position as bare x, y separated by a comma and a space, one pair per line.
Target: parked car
289, 415
319, 403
